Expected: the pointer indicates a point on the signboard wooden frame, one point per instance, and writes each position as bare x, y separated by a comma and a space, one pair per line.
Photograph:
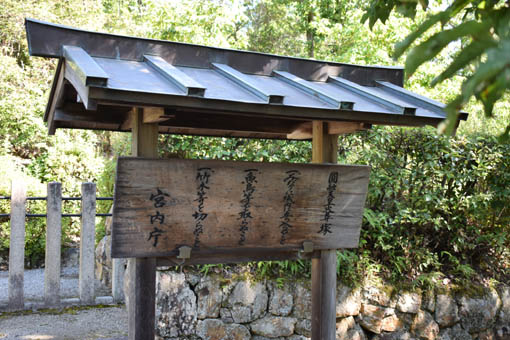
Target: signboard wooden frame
235, 208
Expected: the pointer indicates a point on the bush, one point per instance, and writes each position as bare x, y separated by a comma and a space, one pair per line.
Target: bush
436, 206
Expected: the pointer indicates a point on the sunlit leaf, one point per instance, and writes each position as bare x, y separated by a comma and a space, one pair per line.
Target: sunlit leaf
494, 91
430, 48
402, 46
468, 54
497, 61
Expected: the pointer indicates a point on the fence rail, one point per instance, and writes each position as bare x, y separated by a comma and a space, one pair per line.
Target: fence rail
63, 199
54, 199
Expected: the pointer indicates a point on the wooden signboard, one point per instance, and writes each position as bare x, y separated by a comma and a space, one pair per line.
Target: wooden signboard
219, 207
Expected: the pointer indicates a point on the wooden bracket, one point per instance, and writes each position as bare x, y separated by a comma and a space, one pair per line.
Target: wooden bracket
150, 115
127, 124
340, 128
155, 115
304, 131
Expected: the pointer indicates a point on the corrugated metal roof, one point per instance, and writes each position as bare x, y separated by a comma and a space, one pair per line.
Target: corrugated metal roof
207, 94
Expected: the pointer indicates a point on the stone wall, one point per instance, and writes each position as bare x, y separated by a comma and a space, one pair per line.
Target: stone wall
191, 306
103, 266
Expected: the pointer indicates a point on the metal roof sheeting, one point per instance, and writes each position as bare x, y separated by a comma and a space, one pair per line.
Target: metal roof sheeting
273, 94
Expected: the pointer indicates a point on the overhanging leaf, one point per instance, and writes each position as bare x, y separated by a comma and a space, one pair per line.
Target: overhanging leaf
497, 61
430, 48
452, 113
443, 16
494, 91
407, 9
470, 53
400, 47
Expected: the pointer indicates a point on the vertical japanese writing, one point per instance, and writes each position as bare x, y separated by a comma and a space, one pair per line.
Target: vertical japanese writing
202, 178
159, 199
245, 215
288, 201
155, 233
328, 207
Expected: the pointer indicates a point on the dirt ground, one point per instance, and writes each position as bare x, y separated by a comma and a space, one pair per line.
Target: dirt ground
73, 323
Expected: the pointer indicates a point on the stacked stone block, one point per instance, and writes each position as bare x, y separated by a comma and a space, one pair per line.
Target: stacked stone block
194, 307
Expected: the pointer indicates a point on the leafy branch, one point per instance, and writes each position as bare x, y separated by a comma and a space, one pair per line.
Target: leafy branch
483, 24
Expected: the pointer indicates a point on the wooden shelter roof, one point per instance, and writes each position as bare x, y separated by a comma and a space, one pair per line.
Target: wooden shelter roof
213, 91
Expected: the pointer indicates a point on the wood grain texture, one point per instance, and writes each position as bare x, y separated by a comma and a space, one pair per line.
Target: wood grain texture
316, 298
305, 130
141, 296
237, 257
154, 115
223, 222
324, 150
328, 294
141, 300
144, 137
57, 92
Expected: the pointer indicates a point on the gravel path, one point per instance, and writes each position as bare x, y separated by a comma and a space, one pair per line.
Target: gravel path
34, 285
88, 324
74, 323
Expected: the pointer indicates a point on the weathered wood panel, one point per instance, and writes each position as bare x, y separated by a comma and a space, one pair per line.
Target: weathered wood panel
217, 207
236, 257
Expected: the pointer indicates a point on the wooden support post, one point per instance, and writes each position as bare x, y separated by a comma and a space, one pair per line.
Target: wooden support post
141, 298
142, 271
17, 246
328, 294
87, 243
53, 243
316, 298
324, 150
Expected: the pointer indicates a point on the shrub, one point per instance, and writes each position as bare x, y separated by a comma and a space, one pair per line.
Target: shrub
435, 205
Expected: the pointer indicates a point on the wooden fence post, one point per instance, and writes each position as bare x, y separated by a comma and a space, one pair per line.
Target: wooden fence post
142, 271
324, 150
118, 270
87, 243
17, 246
53, 243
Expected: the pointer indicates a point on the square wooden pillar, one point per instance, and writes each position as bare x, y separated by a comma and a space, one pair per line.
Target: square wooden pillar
141, 299
324, 150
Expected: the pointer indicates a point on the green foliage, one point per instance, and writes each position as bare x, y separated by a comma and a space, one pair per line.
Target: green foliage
482, 27
435, 205
235, 149
28, 153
